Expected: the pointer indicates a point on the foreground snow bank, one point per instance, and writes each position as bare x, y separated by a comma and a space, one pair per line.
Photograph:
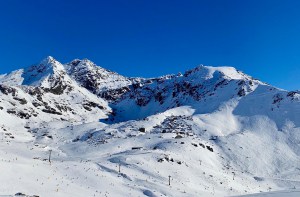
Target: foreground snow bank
285, 193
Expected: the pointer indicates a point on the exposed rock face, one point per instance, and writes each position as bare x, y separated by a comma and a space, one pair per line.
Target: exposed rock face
99, 81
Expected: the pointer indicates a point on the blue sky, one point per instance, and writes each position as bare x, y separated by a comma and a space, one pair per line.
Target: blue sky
152, 38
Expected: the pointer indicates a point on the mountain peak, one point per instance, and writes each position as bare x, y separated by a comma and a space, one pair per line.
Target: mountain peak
48, 63
49, 59
78, 64
35, 74
93, 77
208, 72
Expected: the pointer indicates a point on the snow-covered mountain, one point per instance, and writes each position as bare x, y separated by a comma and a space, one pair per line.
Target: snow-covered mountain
214, 130
44, 92
98, 80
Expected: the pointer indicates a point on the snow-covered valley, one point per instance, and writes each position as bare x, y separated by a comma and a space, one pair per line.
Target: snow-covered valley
211, 131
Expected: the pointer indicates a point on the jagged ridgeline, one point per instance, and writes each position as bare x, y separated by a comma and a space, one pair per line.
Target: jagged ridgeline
79, 88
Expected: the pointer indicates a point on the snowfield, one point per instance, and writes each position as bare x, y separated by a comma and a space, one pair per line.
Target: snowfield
291, 193
77, 129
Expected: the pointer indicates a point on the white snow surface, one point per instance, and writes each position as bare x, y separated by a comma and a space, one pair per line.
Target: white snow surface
213, 131
285, 193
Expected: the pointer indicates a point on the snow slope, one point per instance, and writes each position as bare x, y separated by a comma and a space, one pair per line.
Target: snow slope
288, 193
214, 131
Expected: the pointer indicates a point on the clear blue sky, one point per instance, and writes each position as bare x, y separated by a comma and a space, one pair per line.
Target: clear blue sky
155, 37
